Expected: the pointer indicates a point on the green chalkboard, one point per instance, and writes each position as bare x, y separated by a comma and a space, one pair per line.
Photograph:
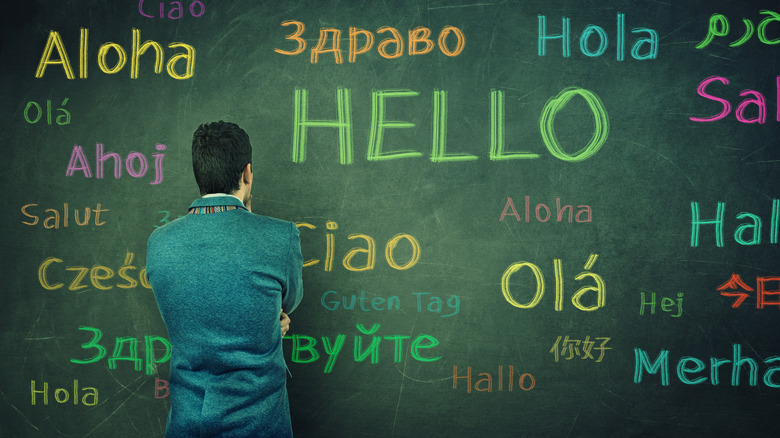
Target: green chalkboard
521, 218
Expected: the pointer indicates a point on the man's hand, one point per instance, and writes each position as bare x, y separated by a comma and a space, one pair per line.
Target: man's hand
284, 321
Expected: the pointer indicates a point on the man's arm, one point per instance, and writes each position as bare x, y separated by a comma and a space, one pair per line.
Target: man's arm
293, 290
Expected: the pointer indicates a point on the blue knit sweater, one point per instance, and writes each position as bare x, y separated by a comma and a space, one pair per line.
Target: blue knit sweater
220, 278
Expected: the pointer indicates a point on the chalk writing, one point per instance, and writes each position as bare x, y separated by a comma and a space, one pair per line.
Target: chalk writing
97, 275
425, 301
131, 355
688, 366
651, 40
52, 220
736, 288
165, 217
135, 163
362, 41
757, 101
600, 288
369, 251
161, 388
88, 395
542, 212
668, 305
55, 42
379, 125
304, 347
747, 233
33, 117
176, 11
525, 382
719, 27
568, 349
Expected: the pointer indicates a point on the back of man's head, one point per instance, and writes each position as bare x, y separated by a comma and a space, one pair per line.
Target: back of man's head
220, 151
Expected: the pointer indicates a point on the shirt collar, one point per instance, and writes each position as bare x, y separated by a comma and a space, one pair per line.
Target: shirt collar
214, 199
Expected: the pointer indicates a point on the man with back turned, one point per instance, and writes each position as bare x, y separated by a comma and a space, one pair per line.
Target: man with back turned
224, 278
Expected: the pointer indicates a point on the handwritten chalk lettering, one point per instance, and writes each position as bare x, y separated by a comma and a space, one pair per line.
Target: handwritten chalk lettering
366, 346
497, 144
543, 213
568, 349
425, 302
88, 396
97, 274
766, 289
648, 303
126, 350
753, 104
109, 52
600, 288
689, 368
719, 27
136, 163
398, 259
643, 48
747, 233
33, 113
525, 381
451, 42
165, 217
161, 388
52, 220
176, 9
434, 304
331, 301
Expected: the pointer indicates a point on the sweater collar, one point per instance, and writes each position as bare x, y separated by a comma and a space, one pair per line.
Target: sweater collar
218, 199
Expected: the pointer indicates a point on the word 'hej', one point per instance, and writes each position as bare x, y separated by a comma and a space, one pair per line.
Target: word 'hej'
55, 42
747, 233
135, 163
379, 124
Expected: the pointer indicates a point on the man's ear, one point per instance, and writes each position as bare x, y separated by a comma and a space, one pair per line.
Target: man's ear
246, 174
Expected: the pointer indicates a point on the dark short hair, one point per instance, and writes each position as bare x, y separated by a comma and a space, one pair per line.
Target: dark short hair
220, 150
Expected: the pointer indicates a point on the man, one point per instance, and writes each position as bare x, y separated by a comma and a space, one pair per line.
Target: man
220, 276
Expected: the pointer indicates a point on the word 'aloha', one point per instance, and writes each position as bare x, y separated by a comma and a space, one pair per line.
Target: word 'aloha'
542, 212
138, 49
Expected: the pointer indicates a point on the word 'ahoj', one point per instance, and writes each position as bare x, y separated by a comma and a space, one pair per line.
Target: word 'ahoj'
138, 49
136, 163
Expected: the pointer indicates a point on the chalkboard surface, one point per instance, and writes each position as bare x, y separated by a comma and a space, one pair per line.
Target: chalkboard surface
521, 218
